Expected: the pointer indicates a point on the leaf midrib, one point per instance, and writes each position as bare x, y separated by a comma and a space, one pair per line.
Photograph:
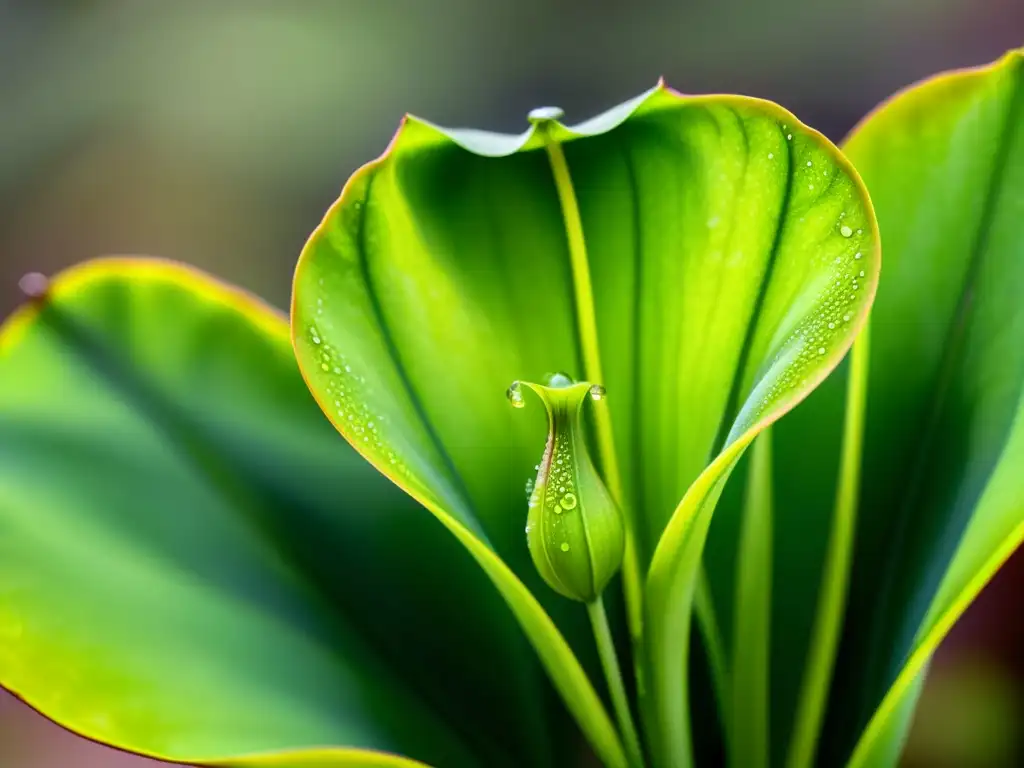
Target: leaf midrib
732, 403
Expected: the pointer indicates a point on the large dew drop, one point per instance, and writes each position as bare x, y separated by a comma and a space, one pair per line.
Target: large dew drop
515, 395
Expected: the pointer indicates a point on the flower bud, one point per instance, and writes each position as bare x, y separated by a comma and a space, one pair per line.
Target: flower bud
574, 529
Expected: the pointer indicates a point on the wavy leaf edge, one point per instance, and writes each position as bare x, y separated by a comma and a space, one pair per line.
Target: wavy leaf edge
489, 144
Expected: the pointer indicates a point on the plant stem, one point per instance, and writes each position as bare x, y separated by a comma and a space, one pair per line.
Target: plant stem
748, 729
586, 321
836, 573
613, 674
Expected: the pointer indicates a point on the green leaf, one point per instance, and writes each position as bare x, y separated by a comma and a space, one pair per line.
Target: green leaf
938, 490
944, 496
193, 566
689, 253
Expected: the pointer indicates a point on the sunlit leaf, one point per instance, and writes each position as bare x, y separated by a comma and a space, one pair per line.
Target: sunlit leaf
729, 254
943, 497
193, 565
939, 490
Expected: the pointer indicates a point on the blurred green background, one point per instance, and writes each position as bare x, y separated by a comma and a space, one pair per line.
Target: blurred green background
217, 133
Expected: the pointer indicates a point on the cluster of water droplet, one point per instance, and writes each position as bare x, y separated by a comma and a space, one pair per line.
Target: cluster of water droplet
348, 403
556, 479
837, 306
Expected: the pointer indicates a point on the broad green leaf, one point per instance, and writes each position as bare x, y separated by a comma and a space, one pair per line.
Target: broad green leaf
707, 259
945, 165
939, 486
194, 566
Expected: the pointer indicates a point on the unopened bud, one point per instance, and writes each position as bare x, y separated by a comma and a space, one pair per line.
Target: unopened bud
574, 529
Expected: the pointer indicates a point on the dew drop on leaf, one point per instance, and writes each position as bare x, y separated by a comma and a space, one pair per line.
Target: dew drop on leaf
515, 395
560, 380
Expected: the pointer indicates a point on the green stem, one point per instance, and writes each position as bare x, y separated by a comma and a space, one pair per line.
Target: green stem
836, 575
748, 729
613, 674
586, 320
707, 619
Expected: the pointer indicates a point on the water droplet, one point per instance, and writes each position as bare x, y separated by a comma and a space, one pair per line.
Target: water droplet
809, 163
34, 285
560, 380
857, 255
515, 395
543, 114
862, 273
771, 155
597, 392
831, 325
565, 546
789, 137
821, 350
860, 231
568, 501
325, 367
810, 186
845, 231
846, 318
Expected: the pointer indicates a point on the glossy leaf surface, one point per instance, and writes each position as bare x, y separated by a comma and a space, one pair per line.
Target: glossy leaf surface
939, 490
194, 566
732, 256
945, 162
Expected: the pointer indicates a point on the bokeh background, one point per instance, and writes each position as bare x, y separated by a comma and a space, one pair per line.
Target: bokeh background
217, 133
